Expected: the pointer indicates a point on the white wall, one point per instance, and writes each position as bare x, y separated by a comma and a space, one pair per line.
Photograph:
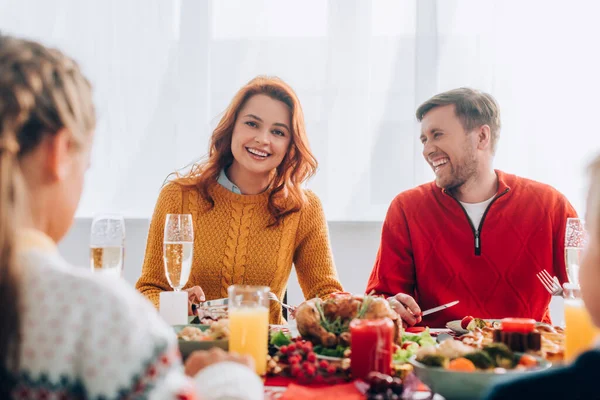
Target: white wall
354, 247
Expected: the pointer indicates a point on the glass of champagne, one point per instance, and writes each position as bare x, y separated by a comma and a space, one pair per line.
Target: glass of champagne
575, 242
249, 323
178, 248
107, 244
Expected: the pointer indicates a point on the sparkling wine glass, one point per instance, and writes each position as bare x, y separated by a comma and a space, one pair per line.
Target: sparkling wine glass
107, 244
575, 241
178, 248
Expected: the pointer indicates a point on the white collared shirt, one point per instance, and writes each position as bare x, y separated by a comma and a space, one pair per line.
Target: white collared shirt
226, 183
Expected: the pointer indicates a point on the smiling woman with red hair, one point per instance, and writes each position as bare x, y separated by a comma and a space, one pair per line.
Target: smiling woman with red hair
252, 219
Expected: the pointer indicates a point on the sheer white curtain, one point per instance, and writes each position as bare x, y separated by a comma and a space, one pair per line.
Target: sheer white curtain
164, 70
539, 59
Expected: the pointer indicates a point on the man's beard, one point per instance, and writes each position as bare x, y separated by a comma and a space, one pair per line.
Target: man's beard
459, 175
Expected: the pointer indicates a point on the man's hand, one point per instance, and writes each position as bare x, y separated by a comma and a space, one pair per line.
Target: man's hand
407, 308
195, 296
199, 360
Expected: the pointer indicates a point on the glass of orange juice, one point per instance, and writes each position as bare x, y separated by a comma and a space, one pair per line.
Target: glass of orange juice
580, 331
249, 323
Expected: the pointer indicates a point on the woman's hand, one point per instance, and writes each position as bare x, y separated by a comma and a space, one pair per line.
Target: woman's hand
199, 360
195, 296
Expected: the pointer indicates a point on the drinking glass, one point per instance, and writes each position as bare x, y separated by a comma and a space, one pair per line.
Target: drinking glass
575, 241
178, 248
580, 331
249, 323
107, 244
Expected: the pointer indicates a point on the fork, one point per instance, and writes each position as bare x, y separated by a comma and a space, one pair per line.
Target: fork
550, 283
273, 296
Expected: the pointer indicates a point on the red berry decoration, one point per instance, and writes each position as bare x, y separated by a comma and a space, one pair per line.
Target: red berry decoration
295, 370
331, 369
294, 360
283, 349
323, 364
311, 357
291, 347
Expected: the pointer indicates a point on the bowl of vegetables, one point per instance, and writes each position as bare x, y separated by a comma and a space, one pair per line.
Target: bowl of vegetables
456, 371
192, 337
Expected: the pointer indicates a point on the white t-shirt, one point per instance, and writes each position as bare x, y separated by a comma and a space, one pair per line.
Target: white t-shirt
476, 211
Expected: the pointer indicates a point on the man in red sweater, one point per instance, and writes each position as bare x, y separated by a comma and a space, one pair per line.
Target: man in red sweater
475, 234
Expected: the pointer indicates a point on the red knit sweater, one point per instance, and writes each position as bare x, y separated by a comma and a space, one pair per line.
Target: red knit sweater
430, 250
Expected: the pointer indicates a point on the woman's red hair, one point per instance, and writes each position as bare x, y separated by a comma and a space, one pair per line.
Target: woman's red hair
286, 195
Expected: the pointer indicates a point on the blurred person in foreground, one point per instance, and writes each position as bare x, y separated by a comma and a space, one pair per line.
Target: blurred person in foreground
579, 380
64, 332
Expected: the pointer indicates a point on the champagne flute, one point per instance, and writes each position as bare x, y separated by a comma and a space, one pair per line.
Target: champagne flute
575, 241
107, 244
178, 248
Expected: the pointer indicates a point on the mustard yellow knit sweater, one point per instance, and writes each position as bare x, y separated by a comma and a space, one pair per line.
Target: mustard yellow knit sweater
233, 245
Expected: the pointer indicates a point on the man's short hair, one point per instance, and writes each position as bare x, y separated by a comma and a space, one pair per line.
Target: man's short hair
472, 107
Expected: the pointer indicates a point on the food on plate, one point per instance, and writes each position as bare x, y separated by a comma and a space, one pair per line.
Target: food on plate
474, 323
500, 354
191, 333
480, 359
527, 361
434, 360
326, 322
465, 321
455, 356
217, 331
280, 338
210, 316
411, 343
441, 355
339, 351
461, 364
544, 340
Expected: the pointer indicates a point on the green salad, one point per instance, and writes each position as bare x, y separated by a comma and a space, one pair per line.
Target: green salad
412, 342
338, 351
280, 339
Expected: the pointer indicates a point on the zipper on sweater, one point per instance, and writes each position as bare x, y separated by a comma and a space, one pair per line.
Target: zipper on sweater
477, 232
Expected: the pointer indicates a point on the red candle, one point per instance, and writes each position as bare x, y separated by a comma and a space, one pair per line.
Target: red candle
520, 325
371, 345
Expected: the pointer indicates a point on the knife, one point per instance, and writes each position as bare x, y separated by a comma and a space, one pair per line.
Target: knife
440, 308
213, 303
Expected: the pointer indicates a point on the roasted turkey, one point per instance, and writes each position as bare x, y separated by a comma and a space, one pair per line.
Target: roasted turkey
326, 322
